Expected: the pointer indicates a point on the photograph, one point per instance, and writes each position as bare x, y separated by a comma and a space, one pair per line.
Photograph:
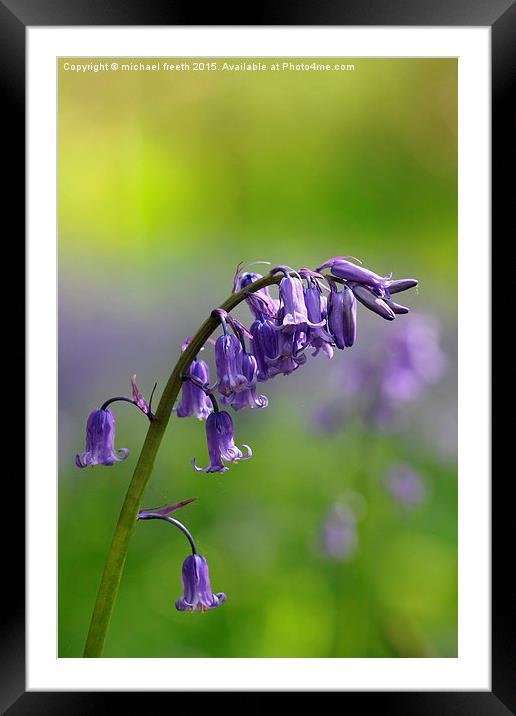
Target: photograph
257, 357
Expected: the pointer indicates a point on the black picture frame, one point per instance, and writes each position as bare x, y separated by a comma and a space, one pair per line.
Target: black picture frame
500, 16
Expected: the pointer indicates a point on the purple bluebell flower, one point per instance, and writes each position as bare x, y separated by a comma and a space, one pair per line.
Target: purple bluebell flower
316, 308
342, 316
406, 486
228, 359
247, 397
194, 401
339, 533
293, 314
197, 588
290, 353
100, 441
221, 443
264, 346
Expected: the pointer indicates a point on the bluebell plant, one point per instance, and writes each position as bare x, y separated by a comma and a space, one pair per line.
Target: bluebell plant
313, 311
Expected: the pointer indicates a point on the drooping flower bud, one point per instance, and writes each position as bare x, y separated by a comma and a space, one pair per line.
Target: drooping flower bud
374, 303
349, 271
342, 316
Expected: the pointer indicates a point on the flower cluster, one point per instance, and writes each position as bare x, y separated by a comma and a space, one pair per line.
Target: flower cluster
313, 311
303, 317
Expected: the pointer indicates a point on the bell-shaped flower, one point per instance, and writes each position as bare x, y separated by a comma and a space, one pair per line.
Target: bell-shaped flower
293, 314
290, 353
247, 398
197, 594
100, 441
194, 401
221, 443
228, 359
264, 346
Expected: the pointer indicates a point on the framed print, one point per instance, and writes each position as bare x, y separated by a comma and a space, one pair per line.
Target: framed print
259, 392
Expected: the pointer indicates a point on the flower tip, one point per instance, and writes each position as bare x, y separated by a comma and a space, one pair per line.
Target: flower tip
249, 453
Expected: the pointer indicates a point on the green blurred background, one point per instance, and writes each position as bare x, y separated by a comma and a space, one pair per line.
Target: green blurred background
167, 181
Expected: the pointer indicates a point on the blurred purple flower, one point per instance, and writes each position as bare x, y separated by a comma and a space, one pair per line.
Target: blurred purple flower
415, 360
339, 533
100, 441
221, 443
406, 486
388, 377
197, 588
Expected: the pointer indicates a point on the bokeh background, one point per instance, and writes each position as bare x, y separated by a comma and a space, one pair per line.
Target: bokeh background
339, 537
